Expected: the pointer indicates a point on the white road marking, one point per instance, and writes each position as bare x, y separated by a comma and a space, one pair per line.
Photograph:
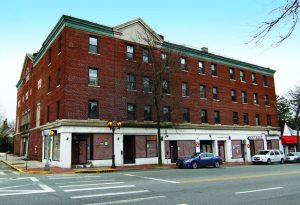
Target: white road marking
2, 173
84, 181
77, 185
110, 194
131, 175
75, 177
161, 180
44, 187
257, 190
99, 188
129, 200
17, 173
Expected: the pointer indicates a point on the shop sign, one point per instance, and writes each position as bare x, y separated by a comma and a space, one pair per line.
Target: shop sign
257, 137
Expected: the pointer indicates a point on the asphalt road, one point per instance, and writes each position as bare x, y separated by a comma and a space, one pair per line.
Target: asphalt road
260, 184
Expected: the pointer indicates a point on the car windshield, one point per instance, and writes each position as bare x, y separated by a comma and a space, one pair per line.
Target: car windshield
291, 154
194, 155
263, 152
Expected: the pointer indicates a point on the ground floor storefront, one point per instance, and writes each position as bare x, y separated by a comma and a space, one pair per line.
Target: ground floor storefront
92, 146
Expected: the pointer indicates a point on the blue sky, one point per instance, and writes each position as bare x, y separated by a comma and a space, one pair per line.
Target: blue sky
224, 26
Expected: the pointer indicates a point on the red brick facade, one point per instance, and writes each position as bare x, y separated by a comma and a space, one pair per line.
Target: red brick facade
73, 92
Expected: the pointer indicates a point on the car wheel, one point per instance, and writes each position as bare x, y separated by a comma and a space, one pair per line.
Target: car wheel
281, 161
268, 162
194, 165
217, 164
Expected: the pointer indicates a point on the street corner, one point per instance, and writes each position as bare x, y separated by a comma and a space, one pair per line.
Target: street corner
10, 164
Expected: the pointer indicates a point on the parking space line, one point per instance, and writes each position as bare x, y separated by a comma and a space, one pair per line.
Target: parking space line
258, 190
161, 180
129, 200
99, 188
110, 194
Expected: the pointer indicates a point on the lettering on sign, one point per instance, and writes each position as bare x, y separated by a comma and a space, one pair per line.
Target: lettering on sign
255, 137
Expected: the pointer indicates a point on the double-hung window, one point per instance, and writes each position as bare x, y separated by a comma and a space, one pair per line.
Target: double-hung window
146, 55
130, 82
202, 91
93, 44
165, 87
204, 118
130, 52
233, 95
231, 73
214, 70
183, 65
147, 112
185, 89
215, 93
93, 76
93, 109
147, 84
186, 115
166, 113
201, 67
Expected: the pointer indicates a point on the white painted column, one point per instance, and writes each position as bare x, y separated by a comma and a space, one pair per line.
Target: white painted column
119, 159
265, 141
216, 150
66, 150
197, 142
228, 152
248, 151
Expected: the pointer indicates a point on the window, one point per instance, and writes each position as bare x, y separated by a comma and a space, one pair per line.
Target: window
269, 120
201, 67
254, 78
235, 118
93, 44
233, 95
56, 147
202, 91
131, 111
39, 84
58, 76
59, 44
38, 114
217, 117
165, 87
147, 113
204, 116
93, 76
26, 96
242, 76
48, 113
231, 73
147, 84
183, 63
49, 55
93, 109
257, 120
146, 55
214, 70
266, 100
27, 74
58, 109
185, 89
164, 59
265, 80
49, 84
166, 114
244, 97
246, 119
130, 82
130, 52
186, 115
255, 98
215, 93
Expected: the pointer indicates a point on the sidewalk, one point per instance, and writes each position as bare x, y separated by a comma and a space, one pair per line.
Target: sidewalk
37, 167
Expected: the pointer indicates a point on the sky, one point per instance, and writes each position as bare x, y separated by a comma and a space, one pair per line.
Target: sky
224, 26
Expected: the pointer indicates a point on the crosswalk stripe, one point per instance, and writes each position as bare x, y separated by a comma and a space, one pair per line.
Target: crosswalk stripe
84, 181
75, 177
17, 173
110, 194
99, 188
2, 173
129, 200
77, 185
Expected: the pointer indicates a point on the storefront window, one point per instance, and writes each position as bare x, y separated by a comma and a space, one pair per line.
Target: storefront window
56, 148
236, 146
46, 147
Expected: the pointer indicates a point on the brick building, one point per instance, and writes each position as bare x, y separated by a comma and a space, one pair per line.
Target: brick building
85, 74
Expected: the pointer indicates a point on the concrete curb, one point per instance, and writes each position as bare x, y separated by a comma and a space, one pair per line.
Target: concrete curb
13, 166
95, 171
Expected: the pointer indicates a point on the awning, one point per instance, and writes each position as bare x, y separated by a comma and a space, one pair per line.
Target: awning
289, 139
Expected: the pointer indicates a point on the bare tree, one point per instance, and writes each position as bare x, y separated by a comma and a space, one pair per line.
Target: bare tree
157, 68
294, 99
286, 17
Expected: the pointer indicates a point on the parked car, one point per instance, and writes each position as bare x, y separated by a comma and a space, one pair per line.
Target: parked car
268, 157
293, 157
203, 159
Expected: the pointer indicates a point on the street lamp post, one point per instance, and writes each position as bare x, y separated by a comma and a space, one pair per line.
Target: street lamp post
113, 125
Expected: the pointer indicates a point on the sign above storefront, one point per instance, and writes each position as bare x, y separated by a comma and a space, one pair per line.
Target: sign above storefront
255, 137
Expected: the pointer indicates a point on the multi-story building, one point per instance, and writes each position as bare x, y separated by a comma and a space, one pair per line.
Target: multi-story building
85, 74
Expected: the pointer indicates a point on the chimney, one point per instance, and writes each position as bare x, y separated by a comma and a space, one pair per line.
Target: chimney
204, 49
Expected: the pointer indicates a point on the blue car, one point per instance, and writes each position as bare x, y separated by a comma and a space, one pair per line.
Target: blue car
203, 159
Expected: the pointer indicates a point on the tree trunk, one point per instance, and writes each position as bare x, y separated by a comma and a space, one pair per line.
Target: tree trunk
158, 133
